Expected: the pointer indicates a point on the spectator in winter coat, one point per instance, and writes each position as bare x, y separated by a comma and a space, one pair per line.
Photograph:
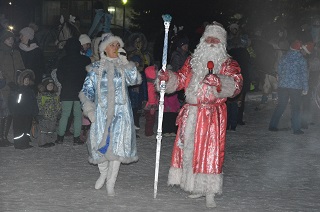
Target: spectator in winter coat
71, 73
49, 110
11, 61
136, 47
31, 54
293, 82
23, 106
152, 103
85, 45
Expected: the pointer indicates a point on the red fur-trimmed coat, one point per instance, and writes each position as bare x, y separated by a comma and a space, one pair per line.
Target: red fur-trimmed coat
205, 111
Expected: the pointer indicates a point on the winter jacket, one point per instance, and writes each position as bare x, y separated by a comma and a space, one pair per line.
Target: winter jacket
33, 59
11, 61
71, 71
292, 71
178, 58
22, 100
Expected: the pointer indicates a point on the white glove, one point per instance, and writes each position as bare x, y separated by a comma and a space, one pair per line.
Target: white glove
92, 116
304, 93
122, 54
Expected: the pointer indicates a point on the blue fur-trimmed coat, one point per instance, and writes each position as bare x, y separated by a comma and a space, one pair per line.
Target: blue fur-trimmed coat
112, 132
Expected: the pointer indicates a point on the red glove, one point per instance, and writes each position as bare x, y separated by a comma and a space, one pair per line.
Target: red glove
163, 76
213, 80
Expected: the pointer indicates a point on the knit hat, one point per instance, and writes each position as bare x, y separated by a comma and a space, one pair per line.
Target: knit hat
216, 30
5, 35
308, 47
106, 39
45, 81
296, 45
182, 41
84, 39
27, 32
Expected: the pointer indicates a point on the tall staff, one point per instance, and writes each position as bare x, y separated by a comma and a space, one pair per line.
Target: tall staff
166, 19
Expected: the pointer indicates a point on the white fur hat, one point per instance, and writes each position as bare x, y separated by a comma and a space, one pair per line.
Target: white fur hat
27, 32
84, 39
108, 38
216, 30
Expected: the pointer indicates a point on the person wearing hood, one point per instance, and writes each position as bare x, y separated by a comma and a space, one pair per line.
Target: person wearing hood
71, 72
105, 101
11, 61
31, 54
24, 108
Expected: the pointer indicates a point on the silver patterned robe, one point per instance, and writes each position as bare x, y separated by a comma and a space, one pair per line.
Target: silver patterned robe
105, 99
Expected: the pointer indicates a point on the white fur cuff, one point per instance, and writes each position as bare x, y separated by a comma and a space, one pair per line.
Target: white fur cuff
88, 107
171, 85
228, 86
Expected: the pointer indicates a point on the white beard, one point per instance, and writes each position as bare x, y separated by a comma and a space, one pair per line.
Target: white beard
204, 52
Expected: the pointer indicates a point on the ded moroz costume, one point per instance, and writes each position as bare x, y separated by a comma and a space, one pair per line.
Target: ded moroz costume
198, 152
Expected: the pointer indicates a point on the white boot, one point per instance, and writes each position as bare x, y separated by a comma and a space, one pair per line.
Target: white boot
112, 176
103, 168
210, 203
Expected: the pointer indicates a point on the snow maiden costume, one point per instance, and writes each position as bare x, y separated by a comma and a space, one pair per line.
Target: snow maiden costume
198, 152
105, 100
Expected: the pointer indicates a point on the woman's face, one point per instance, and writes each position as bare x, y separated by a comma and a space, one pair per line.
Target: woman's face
112, 49
24, 39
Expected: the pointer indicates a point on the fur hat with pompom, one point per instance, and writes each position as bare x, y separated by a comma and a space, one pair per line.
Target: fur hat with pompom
216, 30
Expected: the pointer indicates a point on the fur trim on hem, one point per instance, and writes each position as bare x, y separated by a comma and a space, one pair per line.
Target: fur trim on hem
202, 184
88, 106
228, 86
171, 85
114, 158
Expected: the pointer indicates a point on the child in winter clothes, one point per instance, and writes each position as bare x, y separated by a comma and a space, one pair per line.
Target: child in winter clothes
49, 109
152, 103
23, 106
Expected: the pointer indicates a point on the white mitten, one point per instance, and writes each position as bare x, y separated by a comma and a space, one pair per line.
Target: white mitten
122, 54
92, 116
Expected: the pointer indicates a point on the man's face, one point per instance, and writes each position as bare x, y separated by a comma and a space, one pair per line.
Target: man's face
212, 40
9, 41
185, 47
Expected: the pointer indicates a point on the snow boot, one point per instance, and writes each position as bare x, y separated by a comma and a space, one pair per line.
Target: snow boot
77, 141
103, 169
2, 143
112, 176
210, 203
5, 124
59, 139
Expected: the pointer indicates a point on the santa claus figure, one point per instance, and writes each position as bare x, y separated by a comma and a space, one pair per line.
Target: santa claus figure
208, 77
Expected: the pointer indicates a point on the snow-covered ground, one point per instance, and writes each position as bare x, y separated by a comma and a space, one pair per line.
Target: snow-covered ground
263, 171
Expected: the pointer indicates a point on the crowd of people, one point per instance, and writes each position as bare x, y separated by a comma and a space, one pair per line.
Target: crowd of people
104, 86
